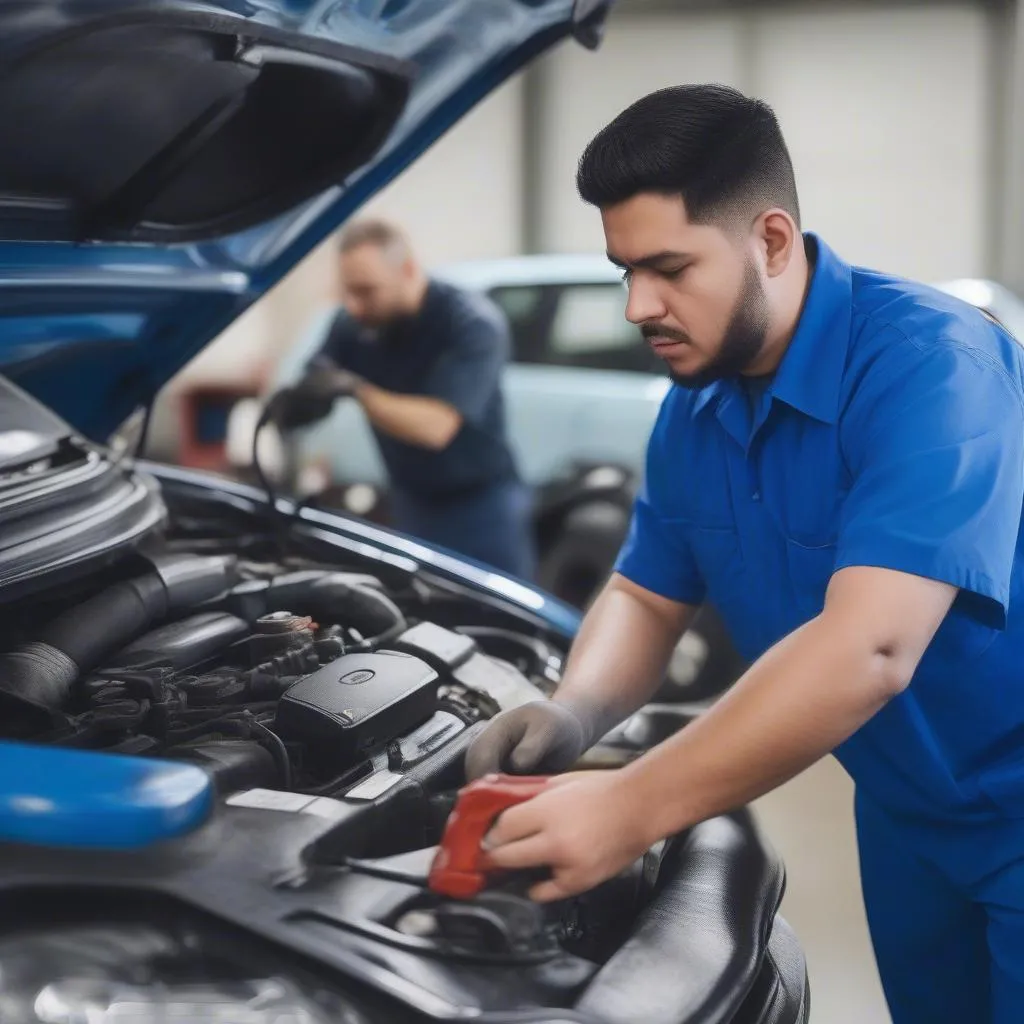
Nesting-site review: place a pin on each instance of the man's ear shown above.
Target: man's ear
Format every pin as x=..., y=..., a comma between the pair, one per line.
x=778, y=237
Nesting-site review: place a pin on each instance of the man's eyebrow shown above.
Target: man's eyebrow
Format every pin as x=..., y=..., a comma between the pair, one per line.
x=649, y=262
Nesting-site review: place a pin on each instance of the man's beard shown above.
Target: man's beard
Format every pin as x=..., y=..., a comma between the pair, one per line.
x=744, y=336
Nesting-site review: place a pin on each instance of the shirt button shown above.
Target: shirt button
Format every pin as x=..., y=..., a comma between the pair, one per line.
x=756, y=496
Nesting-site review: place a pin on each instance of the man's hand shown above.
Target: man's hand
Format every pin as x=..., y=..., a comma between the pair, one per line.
x=313, y=396
x=537, y=738
x=323, y=380
x=586, y=827
x=617, y=661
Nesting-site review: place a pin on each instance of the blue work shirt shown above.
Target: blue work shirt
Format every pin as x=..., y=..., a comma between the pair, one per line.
x=454, y=348
x=892, y=436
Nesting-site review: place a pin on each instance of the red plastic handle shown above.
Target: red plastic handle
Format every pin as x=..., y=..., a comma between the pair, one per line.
x=457, y=870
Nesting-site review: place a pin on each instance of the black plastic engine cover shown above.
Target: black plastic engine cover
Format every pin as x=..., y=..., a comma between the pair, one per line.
x=356, y=704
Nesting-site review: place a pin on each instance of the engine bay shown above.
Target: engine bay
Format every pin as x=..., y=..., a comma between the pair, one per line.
x=332, y=708
x=330, y=692
x=282, y=675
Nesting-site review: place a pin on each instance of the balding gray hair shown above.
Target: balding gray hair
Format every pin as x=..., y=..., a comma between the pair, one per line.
x=381, y=233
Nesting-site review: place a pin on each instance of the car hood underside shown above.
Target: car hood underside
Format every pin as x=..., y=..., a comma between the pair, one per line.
x=165, y=163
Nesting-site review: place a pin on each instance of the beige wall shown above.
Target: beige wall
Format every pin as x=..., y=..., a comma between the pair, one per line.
x=884, y=112
x=890, y=144
x=586, y=90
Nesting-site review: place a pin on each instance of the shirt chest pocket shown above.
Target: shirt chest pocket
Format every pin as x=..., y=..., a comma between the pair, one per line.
x=739, y=589
x=807, y=503
x=716, y=551
x=810, y=569
x=807, y=483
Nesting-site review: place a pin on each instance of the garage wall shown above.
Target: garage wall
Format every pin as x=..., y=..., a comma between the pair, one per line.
x=888, y=132
x=463, y=199
x=885, y=112
x=1010, y=215
x=585, y=90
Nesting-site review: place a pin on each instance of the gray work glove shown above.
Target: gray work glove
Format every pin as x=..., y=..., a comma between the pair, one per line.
x=542, y=737
x=312, y=398
x=327, y=381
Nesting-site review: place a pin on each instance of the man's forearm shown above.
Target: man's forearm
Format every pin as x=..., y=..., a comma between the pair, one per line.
x=415, y=419
x=797, y=703
x=621, y=654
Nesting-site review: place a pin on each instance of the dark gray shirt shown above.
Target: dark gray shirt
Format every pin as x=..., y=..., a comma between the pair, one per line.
x=455, y=348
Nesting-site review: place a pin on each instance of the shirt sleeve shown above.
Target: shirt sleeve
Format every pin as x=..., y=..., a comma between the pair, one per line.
x=468, y=372
x=656, y=553
x=933, y=441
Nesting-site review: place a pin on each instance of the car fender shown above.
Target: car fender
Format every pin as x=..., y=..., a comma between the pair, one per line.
x=560, y=417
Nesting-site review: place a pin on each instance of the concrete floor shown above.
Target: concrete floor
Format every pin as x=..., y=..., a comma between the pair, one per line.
x=810, y=822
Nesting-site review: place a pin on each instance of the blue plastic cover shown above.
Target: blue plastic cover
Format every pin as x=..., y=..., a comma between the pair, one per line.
x=54, y=797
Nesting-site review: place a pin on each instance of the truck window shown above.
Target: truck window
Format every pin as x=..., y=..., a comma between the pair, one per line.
x=590, y=330
x=528, y=311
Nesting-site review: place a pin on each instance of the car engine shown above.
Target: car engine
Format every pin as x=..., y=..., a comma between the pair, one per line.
x=283, y=675
x=329, y=687
x=332, y=706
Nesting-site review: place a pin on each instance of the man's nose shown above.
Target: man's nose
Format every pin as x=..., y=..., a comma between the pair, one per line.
x=644, y=303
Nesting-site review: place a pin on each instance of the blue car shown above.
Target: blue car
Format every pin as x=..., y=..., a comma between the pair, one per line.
x=233, y=728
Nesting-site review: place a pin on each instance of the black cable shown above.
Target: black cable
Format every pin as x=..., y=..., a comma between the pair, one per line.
x=375, y=870
x=244, y=725
x=143, y=438
x=280, y=522
x=357, y=773
x=289, y=408
x=231, y=724
x=278, y=751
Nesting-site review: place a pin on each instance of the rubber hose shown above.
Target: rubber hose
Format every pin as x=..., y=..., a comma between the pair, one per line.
x=330, y=597
x=37, y=675
x=102, y=623
x=41, y=673
x=190, y=580
x=374, y=614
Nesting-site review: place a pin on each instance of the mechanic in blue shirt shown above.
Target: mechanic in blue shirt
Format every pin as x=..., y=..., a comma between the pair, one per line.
x=840, y=470
x=425, y=360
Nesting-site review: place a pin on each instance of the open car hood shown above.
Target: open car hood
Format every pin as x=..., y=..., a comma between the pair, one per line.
x=166, y=162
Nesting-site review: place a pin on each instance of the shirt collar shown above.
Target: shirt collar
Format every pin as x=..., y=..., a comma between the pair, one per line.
x=810, y=376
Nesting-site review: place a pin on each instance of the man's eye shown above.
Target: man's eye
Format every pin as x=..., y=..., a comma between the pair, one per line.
x=675, y=272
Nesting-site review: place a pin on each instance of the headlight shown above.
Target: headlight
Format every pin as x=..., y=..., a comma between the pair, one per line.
x=138, y=974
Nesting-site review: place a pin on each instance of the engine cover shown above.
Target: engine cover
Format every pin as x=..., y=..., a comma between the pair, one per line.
x=357, y=703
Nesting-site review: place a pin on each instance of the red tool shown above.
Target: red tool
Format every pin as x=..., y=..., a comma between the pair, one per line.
x=458, y=869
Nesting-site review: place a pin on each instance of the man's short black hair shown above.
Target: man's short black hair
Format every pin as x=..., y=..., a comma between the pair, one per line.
x=723, y=152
